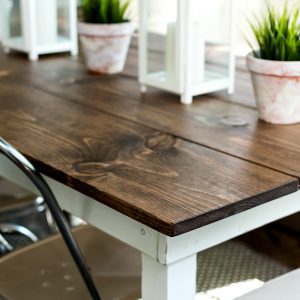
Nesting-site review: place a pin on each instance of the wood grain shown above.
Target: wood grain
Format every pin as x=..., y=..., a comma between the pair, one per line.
x=272, y=146
x=163, y=181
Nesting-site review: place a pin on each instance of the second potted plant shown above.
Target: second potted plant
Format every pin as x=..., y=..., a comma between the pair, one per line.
x=275, y=66
x=105, y=34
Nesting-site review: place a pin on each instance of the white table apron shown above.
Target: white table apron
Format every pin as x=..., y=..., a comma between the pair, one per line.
x=168, y=263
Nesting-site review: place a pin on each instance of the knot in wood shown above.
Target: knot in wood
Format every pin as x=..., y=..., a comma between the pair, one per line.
x=160, y=140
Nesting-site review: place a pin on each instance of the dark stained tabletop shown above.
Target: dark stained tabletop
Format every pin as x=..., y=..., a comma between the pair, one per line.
x=172, y=167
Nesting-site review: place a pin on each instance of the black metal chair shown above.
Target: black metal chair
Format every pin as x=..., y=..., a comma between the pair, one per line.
x=50, y=269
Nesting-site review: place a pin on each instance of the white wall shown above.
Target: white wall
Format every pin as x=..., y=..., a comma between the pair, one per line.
x=214, y=13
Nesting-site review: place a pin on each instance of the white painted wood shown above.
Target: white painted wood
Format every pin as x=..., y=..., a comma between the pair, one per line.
x=212, y=82
x=186, y=22
x=210, y=86
x=29, y=43
x=33, y=56
x=143, y=88
x=30, y=28
x=226, y=229
x=157, y=79
x=23, y=42
x=184, y=85
x=63, y=45
x=17, y=44
x=186, y=98
x=45, y=14
x=283, y=287
x=143, y=44
x=232, y=34
x=73, y=27
x=180, y=48
x=176, y=281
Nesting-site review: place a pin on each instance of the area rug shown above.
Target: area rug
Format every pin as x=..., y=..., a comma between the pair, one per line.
x=233, y=269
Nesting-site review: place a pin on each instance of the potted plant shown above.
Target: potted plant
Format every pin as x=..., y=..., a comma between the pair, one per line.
x=275, y=65
x=105, y=35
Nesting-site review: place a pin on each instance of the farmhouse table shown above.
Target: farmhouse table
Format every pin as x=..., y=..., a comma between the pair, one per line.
x=169, y=180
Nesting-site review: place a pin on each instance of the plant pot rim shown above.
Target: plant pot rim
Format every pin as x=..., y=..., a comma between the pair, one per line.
x=273, y=67
x=251, y=56
x=106, y=30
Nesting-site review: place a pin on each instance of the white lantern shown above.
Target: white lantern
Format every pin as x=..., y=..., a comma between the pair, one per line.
x=1, y=9
x=39, y=26
x=178, y=64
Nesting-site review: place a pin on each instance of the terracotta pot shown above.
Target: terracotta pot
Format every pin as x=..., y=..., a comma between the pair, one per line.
x=105, y=46
x=277, y=89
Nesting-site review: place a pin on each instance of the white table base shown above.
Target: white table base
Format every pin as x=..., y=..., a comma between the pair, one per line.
x=169, y=263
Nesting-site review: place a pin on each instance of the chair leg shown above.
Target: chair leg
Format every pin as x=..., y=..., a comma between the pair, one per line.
x=12, y=228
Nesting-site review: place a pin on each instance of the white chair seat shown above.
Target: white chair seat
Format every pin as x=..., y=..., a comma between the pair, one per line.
x=286, y=286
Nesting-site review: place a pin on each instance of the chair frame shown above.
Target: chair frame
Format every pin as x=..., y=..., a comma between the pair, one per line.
x=36, y=178
x=5, y=246
x=14, y=228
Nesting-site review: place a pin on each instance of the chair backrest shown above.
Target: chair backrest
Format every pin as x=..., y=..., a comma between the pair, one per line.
x=36, y=178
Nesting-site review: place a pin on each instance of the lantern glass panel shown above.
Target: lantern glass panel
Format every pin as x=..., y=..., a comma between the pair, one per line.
x=161, y=41
x=12, y=20
x=63, y=19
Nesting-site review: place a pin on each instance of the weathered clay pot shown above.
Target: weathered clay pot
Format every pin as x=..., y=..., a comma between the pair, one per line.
x=105, y=46
x=277, y=89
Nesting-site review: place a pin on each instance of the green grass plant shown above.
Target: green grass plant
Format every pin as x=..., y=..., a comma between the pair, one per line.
x=105, y=11
x=277, y=34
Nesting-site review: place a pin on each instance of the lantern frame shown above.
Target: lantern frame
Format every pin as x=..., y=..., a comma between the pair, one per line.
x=183, y=85
x=29, y=31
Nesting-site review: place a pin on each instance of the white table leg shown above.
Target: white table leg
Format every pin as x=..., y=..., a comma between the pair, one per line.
x=176, y=281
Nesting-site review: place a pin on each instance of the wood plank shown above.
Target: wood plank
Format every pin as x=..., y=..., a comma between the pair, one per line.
x=165, y=182
x=65, y=70
x=273, y=146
